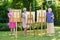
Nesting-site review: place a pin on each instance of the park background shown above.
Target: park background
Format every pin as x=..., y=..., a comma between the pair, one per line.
x=20, y=4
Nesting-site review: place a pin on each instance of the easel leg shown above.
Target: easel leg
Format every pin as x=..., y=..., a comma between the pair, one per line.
x=41, y=28
x=30, y=30
x=16, y=29
x=45, y=27
x=21, y=26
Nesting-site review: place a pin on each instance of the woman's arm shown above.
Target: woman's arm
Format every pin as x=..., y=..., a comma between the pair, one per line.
x=9, y=15
x=23, y=16
x=52, y=16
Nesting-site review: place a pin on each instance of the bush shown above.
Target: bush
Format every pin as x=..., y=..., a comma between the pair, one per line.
x=3, y=14
x=4, y=27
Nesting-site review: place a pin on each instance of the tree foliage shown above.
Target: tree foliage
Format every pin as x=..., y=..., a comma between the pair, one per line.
x=20, y=4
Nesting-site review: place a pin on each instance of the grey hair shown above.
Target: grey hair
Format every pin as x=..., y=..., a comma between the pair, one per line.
x=24, y=9
x=50, y=9
x=9, y=9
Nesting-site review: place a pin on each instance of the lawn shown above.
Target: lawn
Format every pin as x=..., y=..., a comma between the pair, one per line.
x=4, y=35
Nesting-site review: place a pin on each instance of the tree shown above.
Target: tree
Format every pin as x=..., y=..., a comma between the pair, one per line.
x=3, y=12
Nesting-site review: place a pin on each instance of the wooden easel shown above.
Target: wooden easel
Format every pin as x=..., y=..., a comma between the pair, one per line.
x=16, y=18
x=40, y=17
x=30, y=19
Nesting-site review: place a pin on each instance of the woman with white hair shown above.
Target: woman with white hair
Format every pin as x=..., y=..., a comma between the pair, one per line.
x=24, y=21
x=50, y=22
x=12, y=25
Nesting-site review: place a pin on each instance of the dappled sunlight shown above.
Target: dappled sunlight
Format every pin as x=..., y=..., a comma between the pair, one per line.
x=57, y=27
x=39, y=2
x=41, y=34
x=1, y=3
x=59, y=32
x=54, y=39
x=22, y=37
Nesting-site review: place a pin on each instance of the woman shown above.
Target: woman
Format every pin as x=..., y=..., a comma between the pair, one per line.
x=12, y=25
x=24, y=21
x=50, y=22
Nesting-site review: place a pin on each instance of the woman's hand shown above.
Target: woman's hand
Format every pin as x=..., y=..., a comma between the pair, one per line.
x=52, y=17
x=9, y=16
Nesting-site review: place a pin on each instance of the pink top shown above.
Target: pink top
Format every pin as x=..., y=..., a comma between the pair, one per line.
x=11, y=24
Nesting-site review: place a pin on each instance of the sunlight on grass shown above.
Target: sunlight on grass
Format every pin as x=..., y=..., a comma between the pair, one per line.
x=59, y=32
x=57, y=27
x=5, y=35
x=41, y=34
x=54, y=39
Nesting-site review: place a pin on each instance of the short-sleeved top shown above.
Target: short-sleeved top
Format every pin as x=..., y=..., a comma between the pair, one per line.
x=9, y=15
x=24, y=20
x=49, y=18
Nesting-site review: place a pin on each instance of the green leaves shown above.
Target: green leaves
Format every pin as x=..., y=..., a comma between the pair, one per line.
x=1, y=3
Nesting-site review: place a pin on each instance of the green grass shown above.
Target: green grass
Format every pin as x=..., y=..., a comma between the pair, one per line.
x=5, y=36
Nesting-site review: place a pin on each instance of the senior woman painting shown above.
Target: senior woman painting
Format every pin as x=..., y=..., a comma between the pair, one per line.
x=50, y=22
